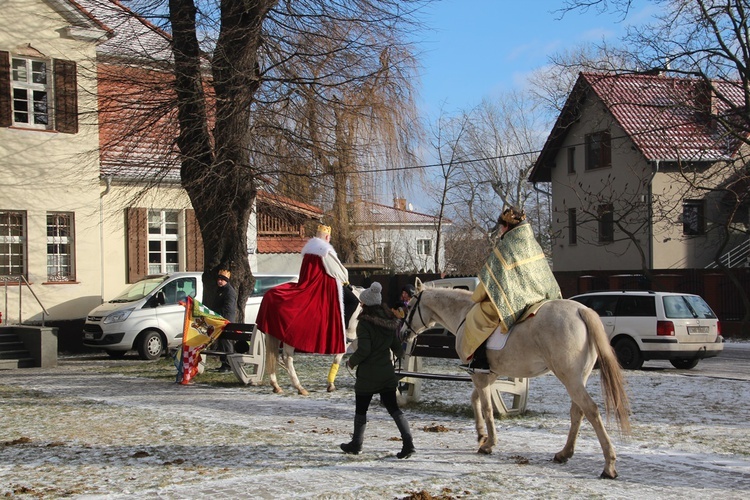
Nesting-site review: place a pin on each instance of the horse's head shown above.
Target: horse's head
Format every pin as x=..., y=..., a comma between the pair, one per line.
x=416, y=319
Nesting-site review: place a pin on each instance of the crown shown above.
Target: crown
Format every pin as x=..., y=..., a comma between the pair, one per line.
x=322, y=229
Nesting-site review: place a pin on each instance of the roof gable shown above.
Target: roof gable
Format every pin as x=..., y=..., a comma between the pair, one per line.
x=369, y=213
x=666, y=118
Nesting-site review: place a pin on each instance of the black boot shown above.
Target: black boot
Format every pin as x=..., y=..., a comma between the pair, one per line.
x=407, y=447
x=355, y=445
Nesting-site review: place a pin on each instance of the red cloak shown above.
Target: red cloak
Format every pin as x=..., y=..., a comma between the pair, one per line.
x=309, y=314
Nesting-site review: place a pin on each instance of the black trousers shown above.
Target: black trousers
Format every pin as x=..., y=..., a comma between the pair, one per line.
x=387, y=397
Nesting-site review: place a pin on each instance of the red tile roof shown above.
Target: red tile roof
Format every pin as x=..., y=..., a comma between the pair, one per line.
x=280, y=245
x=665, y=117
x=366, y=213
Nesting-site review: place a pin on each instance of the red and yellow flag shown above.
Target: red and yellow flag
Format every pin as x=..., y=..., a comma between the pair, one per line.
x=201, y=328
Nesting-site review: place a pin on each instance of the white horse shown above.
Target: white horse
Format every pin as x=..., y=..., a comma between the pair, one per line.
x=273, y=346
x=564, y=337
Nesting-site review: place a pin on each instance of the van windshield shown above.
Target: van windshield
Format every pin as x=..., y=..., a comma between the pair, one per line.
x=139, y=289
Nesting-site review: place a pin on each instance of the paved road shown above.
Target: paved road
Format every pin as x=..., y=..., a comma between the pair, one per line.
x=733, y=363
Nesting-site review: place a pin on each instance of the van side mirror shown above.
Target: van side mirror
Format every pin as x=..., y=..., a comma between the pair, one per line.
x=158, y=300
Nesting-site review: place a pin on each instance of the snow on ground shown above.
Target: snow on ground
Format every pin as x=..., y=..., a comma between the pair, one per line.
x=95, y=427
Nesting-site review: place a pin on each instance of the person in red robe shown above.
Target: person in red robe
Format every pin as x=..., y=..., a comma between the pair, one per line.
x=309, y=314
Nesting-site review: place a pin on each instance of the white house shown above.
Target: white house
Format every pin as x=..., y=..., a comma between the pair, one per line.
x=398, y=238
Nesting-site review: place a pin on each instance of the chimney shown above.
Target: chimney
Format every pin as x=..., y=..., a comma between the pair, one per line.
x=705, y=102
x=399, y=203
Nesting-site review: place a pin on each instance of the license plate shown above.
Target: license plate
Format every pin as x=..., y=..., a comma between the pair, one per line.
x=697, y=329
x=88, y=336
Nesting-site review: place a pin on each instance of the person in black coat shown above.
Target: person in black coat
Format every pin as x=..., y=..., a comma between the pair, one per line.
x=376, y=340
x=225, y=304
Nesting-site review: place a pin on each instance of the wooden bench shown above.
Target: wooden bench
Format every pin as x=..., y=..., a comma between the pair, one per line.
x=248, y=362
x=440, y=343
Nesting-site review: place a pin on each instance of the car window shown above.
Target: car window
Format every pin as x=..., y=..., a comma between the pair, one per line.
x=178, y=290
x=685, y=306
x=635, y=305
x=264, y=283
x=700, y=307
x=604, y=305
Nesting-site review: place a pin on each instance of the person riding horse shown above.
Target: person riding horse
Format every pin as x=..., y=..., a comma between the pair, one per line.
x=515, y=277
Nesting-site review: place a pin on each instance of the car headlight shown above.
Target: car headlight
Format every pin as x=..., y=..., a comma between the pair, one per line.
x=118, y=316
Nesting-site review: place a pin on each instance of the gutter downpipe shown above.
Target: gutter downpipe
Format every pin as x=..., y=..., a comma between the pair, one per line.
x=108, y=183
x=654, y=171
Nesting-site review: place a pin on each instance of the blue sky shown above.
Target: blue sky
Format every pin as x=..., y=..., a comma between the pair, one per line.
x=477, y=48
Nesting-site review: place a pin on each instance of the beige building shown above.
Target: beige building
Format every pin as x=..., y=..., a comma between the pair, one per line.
x=91, y=199
x=49, y=201
x=639, y=171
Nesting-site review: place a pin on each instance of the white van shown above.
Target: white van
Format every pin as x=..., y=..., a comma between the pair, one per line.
x=148, y=317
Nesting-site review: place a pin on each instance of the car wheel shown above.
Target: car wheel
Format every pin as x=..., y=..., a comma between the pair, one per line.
x=116, y=354
x=684, y=364
x=150, y=345
x=628, y=354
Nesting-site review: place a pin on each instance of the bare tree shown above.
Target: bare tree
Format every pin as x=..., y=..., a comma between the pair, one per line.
x=293, y=94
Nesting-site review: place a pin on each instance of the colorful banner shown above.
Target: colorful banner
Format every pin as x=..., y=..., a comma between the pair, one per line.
x=201, y=329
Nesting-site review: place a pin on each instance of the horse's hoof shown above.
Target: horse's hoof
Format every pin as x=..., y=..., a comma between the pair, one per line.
x=278, y=390
x=484, y=451
x=560, y=459
x=331, y=388
x=304, y=392
x=606, y=475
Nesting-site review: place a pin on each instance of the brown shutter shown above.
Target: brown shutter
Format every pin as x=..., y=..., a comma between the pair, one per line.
x=137, y=243
x=66, y=97
x=5, y=103
x=193, y=242
x=606, y=149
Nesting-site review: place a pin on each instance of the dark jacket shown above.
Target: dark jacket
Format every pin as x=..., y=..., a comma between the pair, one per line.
x=226, y=302
x=376, y=338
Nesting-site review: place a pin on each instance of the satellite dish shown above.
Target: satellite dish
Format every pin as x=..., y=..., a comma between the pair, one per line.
x=411, y=207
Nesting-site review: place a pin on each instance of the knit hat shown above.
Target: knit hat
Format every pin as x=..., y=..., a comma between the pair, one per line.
x=223, y=273
x=371, y=296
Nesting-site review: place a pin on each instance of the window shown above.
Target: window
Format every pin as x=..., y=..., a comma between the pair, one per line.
x=30, y=93
x=163, y=241
x=383, y=252
x=424, y=247
x=693, y=222
x=572, y=230
x=598, y=150
x=38, y=93
x=571, y=160
x=12, y=243
x=606, y=223
x=60, y=247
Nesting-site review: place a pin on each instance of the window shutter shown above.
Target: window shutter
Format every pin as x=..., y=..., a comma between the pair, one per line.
x=66, y=97
x=137, y=243
x=193, y=242
x=606, y=149
x=5, y=104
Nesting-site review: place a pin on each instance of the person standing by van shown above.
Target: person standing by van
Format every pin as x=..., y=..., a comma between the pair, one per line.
x=225, y=304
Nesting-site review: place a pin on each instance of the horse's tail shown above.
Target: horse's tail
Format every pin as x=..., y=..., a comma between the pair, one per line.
x=272, y=353
x=613, y=384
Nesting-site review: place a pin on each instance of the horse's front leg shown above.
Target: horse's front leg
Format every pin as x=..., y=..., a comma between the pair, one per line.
x=334, y=371
x=479, y=425
x=482, y=384
x=289, y=363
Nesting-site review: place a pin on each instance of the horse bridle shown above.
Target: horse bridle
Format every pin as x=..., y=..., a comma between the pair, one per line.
x=410, y=316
